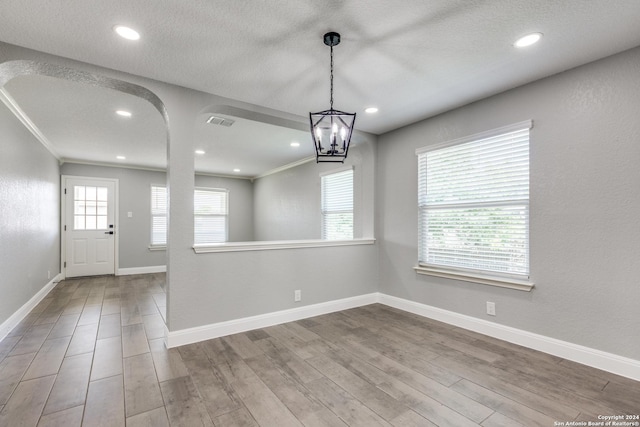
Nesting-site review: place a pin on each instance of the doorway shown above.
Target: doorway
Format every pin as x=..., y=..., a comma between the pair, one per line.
x=89, y=226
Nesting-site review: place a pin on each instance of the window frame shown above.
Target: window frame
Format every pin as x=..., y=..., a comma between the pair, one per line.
x=506, y=279
x=152, y=244
x=224, y=215
x=324, y=212
x=162, y=246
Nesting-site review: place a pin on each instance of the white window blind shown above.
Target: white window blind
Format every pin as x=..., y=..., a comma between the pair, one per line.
x=210, y=209
x=158, y=216
x=473, y=200
x=337, y=205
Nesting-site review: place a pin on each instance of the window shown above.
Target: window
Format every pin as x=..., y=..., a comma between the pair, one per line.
x=337, y=205
x=473, y=201
x=210, y=208
x=158, y=216
x=89, y=208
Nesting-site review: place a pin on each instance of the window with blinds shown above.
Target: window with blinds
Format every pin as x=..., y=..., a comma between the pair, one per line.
x=210, y=209
x=337, y=205
x=211, y=212
x=158, y=216
x=473, y=200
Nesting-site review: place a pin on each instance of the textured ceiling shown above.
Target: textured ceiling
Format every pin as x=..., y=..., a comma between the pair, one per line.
x=411, y=59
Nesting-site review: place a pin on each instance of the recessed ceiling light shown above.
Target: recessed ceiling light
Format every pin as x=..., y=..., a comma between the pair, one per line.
x=121, y=157
x=528, y=40
x=126, y=32
x=236, y=170
x=371, y=110
x=199, y=151
x=123, y=113
x=295, y=144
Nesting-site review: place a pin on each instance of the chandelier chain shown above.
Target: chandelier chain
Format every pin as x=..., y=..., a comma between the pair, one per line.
x=331, y=78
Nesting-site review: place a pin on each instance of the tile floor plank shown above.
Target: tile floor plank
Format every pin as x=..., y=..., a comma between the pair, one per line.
x=25, y=405
x=141, y=389
x=237, y=418
x=65, y=326
x=183, y=403
x=154, y=418
x=505, y=406
x=90, y=314
x=71, y=417
x=153, y=326
x=297, y=398
x=70, y=387
x=345, y=406
x=105, y=403
x=107, y=359
x=134, y=340
x=11, y=371
x=109, y=326
x=218, y=396
x=167, y=362
x=48, y=359
x=83, y=340
x=32, y=339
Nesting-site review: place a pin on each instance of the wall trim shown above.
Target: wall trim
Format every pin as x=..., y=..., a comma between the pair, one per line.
x=216, y=330
x=11, y=103
x=7, y=326
x=598, y=359
x=285, y=167
x=277, y=244
x=141, y=270
x=609, y=362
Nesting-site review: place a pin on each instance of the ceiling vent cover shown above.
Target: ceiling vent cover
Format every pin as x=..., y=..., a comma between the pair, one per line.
x=214, y=120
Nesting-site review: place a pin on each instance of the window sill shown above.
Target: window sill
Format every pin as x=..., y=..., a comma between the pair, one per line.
x=503, y=282
x=281, y=244
x=157, y=247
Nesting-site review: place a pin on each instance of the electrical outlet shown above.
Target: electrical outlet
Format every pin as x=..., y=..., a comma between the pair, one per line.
x=48, y=274
x=491, y=308
x=297, y=295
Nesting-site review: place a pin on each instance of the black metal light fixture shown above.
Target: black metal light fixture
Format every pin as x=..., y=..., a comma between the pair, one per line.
x=331, y=129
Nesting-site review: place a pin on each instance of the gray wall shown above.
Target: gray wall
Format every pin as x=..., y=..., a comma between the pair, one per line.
x=29, y=215
x=287, y=204
x=240, y=204
x=135, y=197
x=585, y=200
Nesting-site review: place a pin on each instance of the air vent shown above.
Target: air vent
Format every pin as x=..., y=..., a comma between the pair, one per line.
x=214, y=120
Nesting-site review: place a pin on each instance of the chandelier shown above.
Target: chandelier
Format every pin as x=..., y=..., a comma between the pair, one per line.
x=331, y=129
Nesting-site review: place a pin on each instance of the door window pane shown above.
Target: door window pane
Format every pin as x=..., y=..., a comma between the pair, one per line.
x=90, y=208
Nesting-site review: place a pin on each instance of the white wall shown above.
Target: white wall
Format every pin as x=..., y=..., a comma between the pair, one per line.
x=29, y=215
x=585, y=203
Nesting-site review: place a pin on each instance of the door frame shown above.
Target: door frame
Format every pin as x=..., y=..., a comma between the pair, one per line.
x=63, y=218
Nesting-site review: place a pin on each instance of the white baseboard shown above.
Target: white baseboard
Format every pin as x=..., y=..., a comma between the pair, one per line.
x=216, y=330
x=7, y=326
x=142, y=270
x=609, y=362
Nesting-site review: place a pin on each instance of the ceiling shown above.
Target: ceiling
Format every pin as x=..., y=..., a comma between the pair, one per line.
x=411, y=59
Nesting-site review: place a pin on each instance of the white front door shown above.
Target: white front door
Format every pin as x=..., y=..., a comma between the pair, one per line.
x=89, y=226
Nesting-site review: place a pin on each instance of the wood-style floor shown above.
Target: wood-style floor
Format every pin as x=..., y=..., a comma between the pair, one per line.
x=92, y=354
